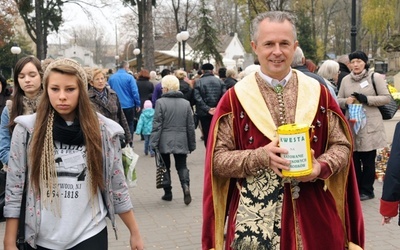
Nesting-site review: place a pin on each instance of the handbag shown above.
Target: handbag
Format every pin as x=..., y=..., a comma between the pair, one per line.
x=387, y=110
x=195, y=120
x=163, y=179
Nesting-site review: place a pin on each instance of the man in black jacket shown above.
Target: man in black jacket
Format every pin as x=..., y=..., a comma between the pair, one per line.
x=344, y=69
x=207, y=93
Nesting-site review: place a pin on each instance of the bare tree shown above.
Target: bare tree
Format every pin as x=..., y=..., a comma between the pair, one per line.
x=92, y=38
x=328, y=9
x=42, y=17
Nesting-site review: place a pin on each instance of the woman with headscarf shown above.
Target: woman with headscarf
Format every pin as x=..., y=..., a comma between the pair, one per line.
x=106, y=101
x=357, y=88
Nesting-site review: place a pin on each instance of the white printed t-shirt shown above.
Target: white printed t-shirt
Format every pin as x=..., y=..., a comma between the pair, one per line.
x=79, y=220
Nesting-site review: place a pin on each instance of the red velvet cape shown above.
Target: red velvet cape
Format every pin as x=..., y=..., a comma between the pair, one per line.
x=314, y=205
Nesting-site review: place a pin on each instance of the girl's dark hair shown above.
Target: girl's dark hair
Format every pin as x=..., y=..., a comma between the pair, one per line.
x=18, y=94
x=4, y=90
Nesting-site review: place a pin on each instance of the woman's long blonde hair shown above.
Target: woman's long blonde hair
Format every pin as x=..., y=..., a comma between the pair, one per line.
x=41, y=157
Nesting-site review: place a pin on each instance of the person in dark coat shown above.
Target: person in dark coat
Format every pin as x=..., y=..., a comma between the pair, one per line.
x=146, y=89
x=299, y=63
x=173, y=133
x=157, y=89
x=222, y=73
x=344, y=68
x=389, y=205
x=185, y=87
x=207, y=93
x=5, y=93
x=230, y=79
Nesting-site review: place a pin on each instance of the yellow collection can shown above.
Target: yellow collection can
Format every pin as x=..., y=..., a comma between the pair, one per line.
x=296, y=139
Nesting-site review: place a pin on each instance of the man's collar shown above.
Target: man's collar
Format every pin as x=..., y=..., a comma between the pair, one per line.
x=268, y=79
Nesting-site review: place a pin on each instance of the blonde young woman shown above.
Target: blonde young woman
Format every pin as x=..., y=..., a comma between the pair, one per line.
x=75, y=172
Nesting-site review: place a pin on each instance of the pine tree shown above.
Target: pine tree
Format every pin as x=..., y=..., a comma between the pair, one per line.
x=305, y=38
x=206, y=40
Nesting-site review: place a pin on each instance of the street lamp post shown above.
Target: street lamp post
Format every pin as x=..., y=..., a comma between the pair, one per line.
x=136, y=52
x=116, y=62
x=16, y=50
x=353, y=30
x=127, y=50
x=179, y=39
x=184, y=36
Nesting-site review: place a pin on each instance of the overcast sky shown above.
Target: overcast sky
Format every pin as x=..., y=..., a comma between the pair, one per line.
x=75, y=17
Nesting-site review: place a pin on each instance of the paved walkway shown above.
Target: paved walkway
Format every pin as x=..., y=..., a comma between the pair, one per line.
x=173, y=225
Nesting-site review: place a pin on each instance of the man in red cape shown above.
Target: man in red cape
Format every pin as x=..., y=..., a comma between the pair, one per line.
x=247, y=203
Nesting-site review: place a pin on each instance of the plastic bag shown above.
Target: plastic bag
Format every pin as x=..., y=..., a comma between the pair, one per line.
x=357, y=117
x=129, y=160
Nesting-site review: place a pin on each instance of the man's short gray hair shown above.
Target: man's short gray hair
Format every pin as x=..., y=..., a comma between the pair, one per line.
x=273, y=16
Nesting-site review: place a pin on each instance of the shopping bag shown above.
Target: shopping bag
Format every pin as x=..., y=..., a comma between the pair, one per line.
x=129, y=160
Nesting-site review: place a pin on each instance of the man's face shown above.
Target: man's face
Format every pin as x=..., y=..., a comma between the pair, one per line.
x=275, y=47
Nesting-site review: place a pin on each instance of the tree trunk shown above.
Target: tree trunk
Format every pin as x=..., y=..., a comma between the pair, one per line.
x=314, y=33
x=39, y=31
x=149, y=63
x=140, y=7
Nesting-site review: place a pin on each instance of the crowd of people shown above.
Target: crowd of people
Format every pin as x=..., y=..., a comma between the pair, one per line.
x=64, y=126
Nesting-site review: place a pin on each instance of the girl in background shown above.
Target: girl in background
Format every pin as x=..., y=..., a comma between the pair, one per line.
x=145, y=125
x=27, y=90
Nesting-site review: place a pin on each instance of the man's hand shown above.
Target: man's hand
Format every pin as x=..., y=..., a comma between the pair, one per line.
x=137, y=109
x=211, y=111
x=315, y=171
x=276, y=162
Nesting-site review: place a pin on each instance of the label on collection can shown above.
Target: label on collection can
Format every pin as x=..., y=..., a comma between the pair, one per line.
x=296, y=139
